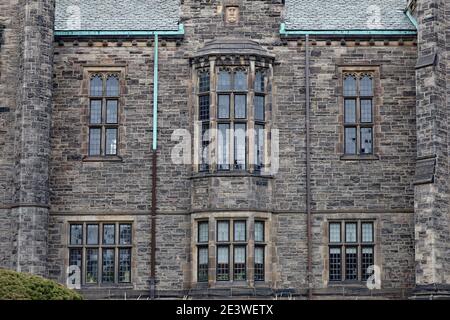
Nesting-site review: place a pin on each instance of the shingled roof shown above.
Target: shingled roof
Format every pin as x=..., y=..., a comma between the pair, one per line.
x=114, y=15
x=346, y=15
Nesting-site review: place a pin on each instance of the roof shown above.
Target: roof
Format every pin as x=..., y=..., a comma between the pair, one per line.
x=343, y=15
x=115, y=15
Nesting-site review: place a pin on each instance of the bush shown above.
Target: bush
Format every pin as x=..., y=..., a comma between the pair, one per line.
x=24, y=286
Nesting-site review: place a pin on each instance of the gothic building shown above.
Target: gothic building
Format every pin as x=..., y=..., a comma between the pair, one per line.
x=227, y=148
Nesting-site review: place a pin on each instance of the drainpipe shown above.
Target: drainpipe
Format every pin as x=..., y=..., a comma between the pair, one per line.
x=308, y=166
x=154, y=172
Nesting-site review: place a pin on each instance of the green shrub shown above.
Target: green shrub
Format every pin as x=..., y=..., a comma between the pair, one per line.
x=24, y=286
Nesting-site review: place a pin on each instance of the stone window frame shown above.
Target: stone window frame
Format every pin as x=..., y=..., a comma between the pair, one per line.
x=250, y=244
x=359, y=70
x=100, y=246
x=359, y=244
x=104, y=71
x=214, y=64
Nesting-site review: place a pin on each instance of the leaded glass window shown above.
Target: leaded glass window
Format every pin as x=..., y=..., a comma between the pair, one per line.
x=223, y=263
x=239, y=268
x=92, y=234
x=125, y=234
x=259, y=231
x=109, y=233
x=125, y=265
x=259, y=263
x=76, y=234
x=239, y=231
x=203, y=231
x=223, y=231
x=202, y=267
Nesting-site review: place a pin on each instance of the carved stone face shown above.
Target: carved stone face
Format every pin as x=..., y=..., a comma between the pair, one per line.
x=232, y=14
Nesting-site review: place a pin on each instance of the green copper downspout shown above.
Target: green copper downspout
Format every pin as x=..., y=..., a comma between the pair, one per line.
x=155, y=95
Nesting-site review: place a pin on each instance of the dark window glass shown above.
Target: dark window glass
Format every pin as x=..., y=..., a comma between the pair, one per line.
x=240, y=106
x=203, y=102
x=223, y=146
x=96, y=86
x=76, y=234
x=350, y=86
x=240, y=146
x=108, y=266
x=109, y=234
x=223, y=231
x=223, y=263
x=203, y=231
x=259, y=263
x=367, y=231
x=366, y=86
x=204, y=157
x=259, y=231
x=259, y=82
x=350, y=140
x=91, y=265
x=111, y=111
x=202, y=267
x=350, y=111
x=335, y=264
x=125, y=265
x=239, y=231
x=366, y=111
x=224, y=83
x=96, y=111
x=351, y=263
x=224, y=106
x=366, y=140
x=350, y=232
x=94, y=141
x=111, y=141
x=203, y=82
x=335, y=232
x=259, y=146
x=112, y=86
x=92, y=233
x=239, y=268
x=125, y=234
x=259, y=108
x=75, y=257
x=240, y=81
x=366, y=261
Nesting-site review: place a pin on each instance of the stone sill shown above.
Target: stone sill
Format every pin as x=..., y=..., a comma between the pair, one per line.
x=370, y=157
x=102, y=159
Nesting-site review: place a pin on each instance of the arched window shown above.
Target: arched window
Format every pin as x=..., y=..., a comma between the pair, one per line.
x=112, y=86
x=96, y=86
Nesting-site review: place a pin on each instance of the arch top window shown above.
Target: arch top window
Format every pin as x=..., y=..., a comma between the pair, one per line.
x=96, y=85
x=112, y=86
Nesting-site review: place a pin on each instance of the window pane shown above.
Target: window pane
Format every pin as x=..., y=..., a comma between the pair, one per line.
x=96, y=86
x=91, y=265
x=224, y=106
x=240, y=81
x=125, y=233
x=109, y=234
x=75, y=257
x=224, y=83
x=366, y=261
x=125, y=265
x=366, y=86
x=259, y=147
x=351, y=264
x=111, y=111
x=111, y=141
x=239, y=231
x=239, y=264
x=350, y=232
x=94, y=141
x=335, y=264
x=108, y=265
x=204, y=157
x=203, y=102
x=366, y=111
x=350, y=86
x=259, y=263
x=203, y=81
x=335, y=232
x=223, y=268
x=203, y=231
x=92, y=233
x=96, y=111
x=259, y=108
x=350, y=110
x=240, y=106
x=367, y=231
x=223, y=231
x=259, y=82
x=240, y=146
x=76, y=234
x=259, y=231
x=202, y=264
x=112, y=86
x=223, y=147
x=366, y=140
x=350, y=140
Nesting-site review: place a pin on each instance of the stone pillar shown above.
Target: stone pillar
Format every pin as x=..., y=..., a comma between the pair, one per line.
x=32, y=136
x=432, y=172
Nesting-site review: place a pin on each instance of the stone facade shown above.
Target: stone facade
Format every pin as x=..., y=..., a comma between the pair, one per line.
x=48, y=181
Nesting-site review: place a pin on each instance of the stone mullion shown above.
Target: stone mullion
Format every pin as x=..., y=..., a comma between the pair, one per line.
x=251, y=116
x=251, y=252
